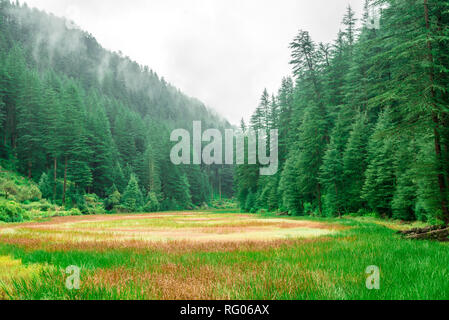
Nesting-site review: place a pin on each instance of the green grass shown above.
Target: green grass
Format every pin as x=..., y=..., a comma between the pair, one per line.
x=328, y=267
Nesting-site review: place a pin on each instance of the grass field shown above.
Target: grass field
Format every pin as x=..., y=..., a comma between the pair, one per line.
x=217, y=255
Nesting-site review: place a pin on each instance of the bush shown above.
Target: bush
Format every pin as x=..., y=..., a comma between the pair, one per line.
x=19, y=189
x=121, y=209
x=31, y=193
x=11, y=211
x=8, y=188
x=74, y=212
x=42, y=205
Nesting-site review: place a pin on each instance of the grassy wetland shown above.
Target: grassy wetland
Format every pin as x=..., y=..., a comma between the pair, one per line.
x=217, y=255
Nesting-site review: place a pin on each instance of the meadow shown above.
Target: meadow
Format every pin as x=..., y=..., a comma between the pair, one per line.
x=217, y=255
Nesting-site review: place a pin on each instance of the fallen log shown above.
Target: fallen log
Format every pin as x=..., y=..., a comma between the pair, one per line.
x=436, y=233
x=422, y=230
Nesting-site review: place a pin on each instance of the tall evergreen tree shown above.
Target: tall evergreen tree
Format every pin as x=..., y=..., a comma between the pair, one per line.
x=355, y=162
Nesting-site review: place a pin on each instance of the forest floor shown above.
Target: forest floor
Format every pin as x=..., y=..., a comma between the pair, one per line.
x=218, y=255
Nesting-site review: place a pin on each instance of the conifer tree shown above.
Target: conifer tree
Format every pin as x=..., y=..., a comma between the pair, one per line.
x=380, y=181
x=355, y=162
x=332, y=171
x=312, y=146
x=132, y=198
x=288, y=186
x=29, y=110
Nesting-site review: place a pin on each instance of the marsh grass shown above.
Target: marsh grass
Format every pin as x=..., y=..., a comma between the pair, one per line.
x=327, y=267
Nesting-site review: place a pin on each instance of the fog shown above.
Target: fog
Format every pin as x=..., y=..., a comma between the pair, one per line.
x=223, y=52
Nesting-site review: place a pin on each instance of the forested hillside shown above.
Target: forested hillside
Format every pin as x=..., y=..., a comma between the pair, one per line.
x=364, y=124
x=78, y=119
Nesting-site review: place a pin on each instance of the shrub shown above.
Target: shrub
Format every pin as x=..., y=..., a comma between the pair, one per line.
x=11, y=211
x=31, y=193
x=121, y=209
x=74, y=212
x=8, y=188
x=42, y=205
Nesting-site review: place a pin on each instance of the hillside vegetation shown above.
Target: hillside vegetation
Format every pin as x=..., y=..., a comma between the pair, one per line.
x=79, y=120
x=364, y=124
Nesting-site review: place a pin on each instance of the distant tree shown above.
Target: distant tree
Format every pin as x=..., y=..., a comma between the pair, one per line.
x=152, y=203
x=132, y=198
x=29, y=112
x=380, y=180
x=355, y=161
x=46, y=186
x=350, y=21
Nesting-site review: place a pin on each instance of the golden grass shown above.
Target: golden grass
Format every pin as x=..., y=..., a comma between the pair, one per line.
x=13, y=270
x=160, y=231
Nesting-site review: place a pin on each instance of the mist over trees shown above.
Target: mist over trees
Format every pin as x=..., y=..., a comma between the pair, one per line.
x=364, y=123
x=78, y=119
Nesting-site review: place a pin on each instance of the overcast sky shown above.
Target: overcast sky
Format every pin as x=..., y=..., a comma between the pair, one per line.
x=223, y=52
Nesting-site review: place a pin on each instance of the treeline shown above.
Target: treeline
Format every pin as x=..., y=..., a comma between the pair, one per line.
x=364, y=126
x=79, y=120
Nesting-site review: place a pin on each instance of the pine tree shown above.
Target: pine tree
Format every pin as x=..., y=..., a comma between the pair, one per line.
x=332, y=171
x=350, y=21
x=15, y=67
x=2, y=103
x=355, y=161
x=29, y=113
x=380, y=182
x=74, y=140
x=405, y=195
x=51, y=131
x=113, y=199
x=286, y=130
x=152, y=203
x=100, y=143
x=312, y=146
x=45, y=186
x=260, y=118
x=132, y=198
x=288, y=186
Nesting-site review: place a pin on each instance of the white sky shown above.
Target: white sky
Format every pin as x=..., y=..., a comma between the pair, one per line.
x=223, y=52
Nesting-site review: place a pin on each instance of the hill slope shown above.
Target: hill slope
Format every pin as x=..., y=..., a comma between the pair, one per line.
x=94, y=119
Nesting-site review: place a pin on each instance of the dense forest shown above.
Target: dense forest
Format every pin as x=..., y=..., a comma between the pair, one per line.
x=79, y=120
x=364, y=124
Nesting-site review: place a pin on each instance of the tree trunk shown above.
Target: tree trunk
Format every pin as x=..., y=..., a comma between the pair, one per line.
x=320, y=205
x=29, y=169
x=55, y=177
x=336, y=194
x=65, y=181
x=437, y=122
